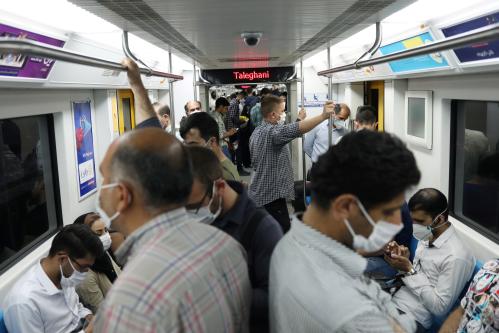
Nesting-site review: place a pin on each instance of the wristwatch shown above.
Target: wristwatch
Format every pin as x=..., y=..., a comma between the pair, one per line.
x=411, y=272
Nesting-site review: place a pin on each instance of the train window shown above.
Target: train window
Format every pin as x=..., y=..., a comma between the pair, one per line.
x=475, y=187
x=29, y=199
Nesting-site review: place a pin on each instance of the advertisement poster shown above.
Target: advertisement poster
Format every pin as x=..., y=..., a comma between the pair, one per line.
x=480, y=51
x=84, y=144
x=17, y=65
x=427, y=61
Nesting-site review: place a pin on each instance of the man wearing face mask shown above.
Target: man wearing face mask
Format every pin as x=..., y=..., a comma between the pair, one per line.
x=202, y=130
x=178, y=272
x=272, y=182
x=45, y=300
x=316, y=276
x=226, y=205
x=442, y=264
x=317, y=140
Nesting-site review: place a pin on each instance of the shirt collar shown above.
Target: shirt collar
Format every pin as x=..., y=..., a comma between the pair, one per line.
x=444, y=237
x=350, y=261
x=237, y=213
x=45, y=281
x=148, y=231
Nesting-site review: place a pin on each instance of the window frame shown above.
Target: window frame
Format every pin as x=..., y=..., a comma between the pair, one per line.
x=19, y=255
x=452, y=175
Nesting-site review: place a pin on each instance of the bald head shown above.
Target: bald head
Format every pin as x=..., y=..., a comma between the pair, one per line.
x=192, y=106
x=155, y=164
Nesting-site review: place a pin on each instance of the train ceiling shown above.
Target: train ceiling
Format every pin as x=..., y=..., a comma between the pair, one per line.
x=209, y=31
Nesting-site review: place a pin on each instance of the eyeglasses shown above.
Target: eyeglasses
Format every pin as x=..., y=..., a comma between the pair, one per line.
x=81, y=268
x=197, y=206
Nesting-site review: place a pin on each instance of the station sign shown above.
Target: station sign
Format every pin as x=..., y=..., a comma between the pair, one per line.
x=248, y=75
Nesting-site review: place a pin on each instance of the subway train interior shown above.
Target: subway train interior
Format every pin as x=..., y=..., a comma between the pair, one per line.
x=429, y=70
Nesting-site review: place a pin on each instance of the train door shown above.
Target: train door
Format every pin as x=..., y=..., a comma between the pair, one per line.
x=374, y=95
x=126, y=110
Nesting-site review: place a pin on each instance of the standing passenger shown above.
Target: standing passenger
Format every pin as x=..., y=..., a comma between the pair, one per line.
x=272, y=183
x=226, y=205
x=317, y=141
x=316, y=277
x=179, y=275
x=163, y=113
x=221, y=107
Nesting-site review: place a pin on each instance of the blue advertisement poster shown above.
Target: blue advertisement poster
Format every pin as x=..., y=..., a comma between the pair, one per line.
x=427, y=61
x=480, y=51
x=84, y=143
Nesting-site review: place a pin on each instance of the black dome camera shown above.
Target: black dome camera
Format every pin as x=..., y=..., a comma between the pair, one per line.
x=251, y=38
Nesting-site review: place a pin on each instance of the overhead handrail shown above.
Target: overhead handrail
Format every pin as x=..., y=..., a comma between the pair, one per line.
x=481, y=35
x=377, y=43
x=129, y=54
x=16, y=46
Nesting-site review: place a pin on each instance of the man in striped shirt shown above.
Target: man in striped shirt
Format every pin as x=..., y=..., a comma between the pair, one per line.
x=179, y=275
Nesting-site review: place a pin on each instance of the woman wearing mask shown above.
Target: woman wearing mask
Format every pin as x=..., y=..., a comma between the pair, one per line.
x=105, y=270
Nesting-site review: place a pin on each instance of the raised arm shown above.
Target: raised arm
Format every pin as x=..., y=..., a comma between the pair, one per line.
x=308, y=124
x=144, y=109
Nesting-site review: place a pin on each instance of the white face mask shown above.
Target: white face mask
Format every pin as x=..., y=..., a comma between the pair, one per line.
x=106, y=240
x=204, y=214
x=72, y=281
x=383, y=232
x=103, y=215
x=424, y=232
x=282, y=118
x=339, y=124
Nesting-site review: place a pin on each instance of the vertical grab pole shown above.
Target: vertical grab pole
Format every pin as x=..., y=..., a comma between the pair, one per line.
x=170, y=87
x=330, y=97
x=304, y=169
x=194, y=82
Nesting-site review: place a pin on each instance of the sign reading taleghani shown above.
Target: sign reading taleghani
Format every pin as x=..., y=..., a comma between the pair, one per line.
x=422, y=62
x=84, y=146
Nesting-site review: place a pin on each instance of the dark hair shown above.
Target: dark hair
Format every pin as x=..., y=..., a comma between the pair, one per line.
x=207, y=126
x=373, y=166
x=206, y=167
x=161, y=169
x=265, y=91
x=91, y=215
x=488, y=167
x=269, y=105
x=78, y=241
x=161, y=109
x=221, y=101
x=431, y=201
x=366, y=115
x=233, y=95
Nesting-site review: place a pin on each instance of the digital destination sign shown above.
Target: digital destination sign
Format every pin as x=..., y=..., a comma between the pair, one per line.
x=248, y=75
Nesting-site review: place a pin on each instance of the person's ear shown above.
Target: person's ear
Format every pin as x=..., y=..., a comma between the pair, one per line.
x=343, y=206
x=124, y=197
x=220, y=186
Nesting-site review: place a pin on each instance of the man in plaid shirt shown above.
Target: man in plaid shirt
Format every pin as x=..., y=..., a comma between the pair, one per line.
x=179, y=275
x=272, y=181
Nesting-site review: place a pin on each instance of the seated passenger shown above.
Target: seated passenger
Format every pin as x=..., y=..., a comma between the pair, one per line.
x=377, y=266
x=316, y=277
x=44, y=299
x=202, y=130
x=226, y=205
x=180, y=275
x=103, y=272
x=479, y=310
x=442, y=263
